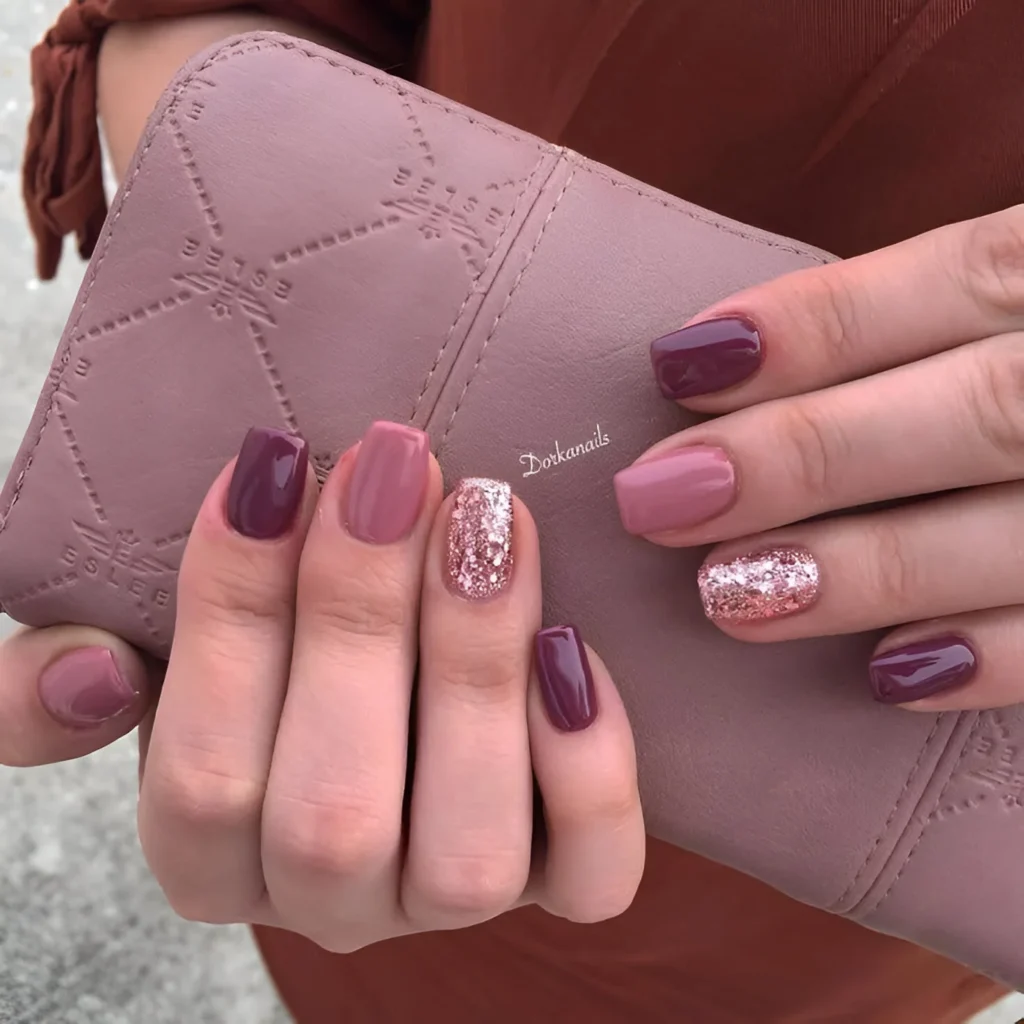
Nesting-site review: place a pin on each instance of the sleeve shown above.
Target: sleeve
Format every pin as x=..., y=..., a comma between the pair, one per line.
x=62, y=175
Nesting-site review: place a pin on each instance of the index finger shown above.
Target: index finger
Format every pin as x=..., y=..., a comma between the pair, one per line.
x=826, y=325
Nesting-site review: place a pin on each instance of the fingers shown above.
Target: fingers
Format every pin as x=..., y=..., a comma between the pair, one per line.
x=471, y=813
x=819, y=327
x=66, y=692
x=955, y=420
x=585, y=765
x=210, y=751
x=332, y=825
x=854, y=573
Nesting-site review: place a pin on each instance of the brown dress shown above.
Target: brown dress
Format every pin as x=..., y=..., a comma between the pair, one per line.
x=849, y=124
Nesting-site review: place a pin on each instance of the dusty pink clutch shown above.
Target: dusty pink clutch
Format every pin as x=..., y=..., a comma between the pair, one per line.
x=304, y=242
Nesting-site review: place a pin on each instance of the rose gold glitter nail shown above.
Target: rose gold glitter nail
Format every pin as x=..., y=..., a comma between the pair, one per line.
x=755, y=588
x=479, y=561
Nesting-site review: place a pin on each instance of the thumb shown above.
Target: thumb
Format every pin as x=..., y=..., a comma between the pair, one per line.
x=67, y=691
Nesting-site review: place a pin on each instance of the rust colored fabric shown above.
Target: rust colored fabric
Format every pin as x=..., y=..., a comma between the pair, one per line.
x=849, y=124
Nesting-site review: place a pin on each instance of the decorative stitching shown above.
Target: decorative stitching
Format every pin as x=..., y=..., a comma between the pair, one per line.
x=76, y=455
x=270, y=369
x=508, y=302
x=126, y=320
x=472, y=288
x=930, y=819
x=892, y=814
x=192, y=170
x=342, y=237
x=256, y=44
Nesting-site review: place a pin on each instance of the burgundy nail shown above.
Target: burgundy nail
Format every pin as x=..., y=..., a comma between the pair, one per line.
x=388, y=483
x=706, y=357
x=85, y=688
x=268, y=483
x=675, y=491
x=922, y=669
x=566, y=682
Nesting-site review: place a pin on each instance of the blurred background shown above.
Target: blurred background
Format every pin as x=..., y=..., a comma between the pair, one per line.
x=85, y=937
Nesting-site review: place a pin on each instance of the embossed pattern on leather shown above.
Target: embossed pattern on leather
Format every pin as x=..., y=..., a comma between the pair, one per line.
x=303, y=242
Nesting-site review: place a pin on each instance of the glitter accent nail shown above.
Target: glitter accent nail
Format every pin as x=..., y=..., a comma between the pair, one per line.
x=755, y=588
x=479, y=561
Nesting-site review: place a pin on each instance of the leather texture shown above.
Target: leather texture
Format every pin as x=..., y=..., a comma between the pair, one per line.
x=304, y=242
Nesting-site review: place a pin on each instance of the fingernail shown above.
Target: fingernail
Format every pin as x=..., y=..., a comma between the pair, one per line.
x=85, y=688
x=706, y=357
x=479, y=560
x=756, y=588
x=566, y=682
x=922, y=669
x=675, y=491
x=268, y=483
x=388, y=483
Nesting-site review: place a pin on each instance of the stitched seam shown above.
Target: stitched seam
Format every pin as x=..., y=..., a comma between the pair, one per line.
x=472, y=288
x=508, y=302
x=892, y=814
x=723, y=226
x=931, y=818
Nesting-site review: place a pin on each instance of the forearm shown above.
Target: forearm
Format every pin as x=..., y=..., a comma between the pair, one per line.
x=137, y=60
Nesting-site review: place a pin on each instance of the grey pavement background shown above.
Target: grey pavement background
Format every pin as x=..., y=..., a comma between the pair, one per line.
x=85, y=937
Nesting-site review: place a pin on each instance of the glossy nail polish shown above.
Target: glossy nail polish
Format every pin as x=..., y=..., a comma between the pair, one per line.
x=706, y=357
x=922, y=669
x=268, y=483
x=757, y=588
x=675, y=491
x=388, y=483
x=479, y=555
x=566, y=681
x=85, y=688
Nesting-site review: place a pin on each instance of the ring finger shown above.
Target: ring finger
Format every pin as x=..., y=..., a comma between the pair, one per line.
x=853, y=573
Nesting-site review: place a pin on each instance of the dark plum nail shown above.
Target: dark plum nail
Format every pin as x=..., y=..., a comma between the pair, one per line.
x=85, y=688
x=566, y=681
x=922, y=669
x=268, y=483
x=706, y=357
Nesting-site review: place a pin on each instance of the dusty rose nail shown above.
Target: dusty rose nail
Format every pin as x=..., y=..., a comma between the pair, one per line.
x=479, y=557
x=675, y=491
x=85, y=688
x=922, y=669
x=388, y=483
x=755, y=588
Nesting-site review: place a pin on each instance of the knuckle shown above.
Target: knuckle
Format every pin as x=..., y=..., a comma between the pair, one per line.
x=832, y=308
x=616, y=803
x=375, y=603
x=331, y=837
x=993, y=260
x=995, y=396
x=894, y=575
x=203, y=798
x=470, y=887
x=238, y=592
x=491, y=664
x=819, y=449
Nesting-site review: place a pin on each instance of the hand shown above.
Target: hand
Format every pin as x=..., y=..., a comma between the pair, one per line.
x=282, y=783
x=891, y=376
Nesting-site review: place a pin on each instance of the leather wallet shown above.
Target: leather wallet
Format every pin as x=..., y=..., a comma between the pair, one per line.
x=304, y=242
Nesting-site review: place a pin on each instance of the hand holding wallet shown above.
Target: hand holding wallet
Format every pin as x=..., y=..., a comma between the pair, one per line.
x=304, y=242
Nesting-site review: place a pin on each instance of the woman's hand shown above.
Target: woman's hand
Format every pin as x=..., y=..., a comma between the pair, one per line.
x=295, y=776
x=890, y=376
